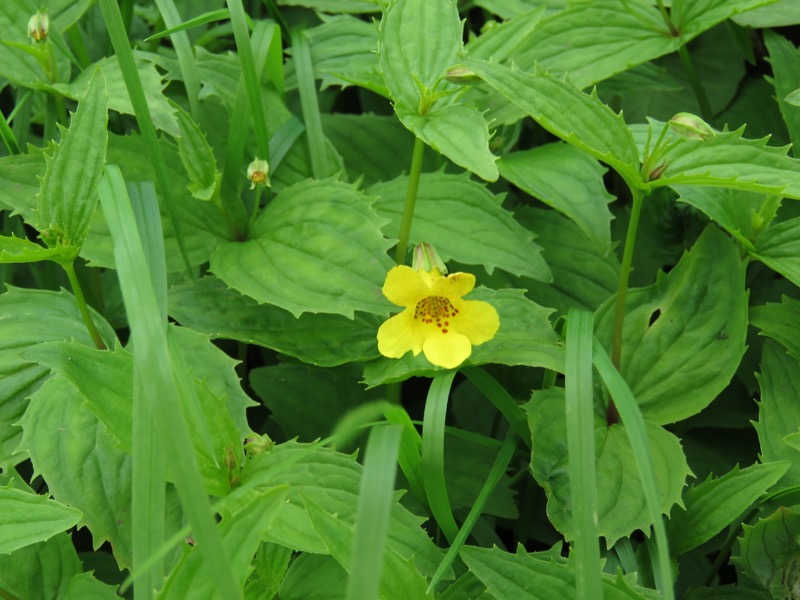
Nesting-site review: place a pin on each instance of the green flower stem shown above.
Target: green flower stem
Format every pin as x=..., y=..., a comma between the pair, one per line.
x=411, y=200
x=77, y=291
x=622, y=292
x=697, y=85
x=673, y=31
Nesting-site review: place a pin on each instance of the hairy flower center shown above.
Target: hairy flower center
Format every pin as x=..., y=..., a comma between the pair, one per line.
x=435, y=309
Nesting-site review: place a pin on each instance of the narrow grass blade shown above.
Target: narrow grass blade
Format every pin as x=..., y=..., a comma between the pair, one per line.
x=498, y=469
x=148, y=222
x=153, y=370
x=580, y=441
x=433, y=473
x=210, y=17
x=8, y=137
x=306, y=85
x=410, y=457
x=502, y=400
x=375, y=499
x=634, y=425
x=119, y=39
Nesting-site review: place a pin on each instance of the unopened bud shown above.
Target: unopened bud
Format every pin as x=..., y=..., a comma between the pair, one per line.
x=38, y=25
x=691, y=127
x=657, y=172
x=258, y=444
x=461, y=75
x=427, y=259
x=258, y=173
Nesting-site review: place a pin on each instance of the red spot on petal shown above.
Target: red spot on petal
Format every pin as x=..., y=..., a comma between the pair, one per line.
x=444, y=330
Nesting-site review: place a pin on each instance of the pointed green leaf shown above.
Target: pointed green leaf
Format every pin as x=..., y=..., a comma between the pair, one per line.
x=85, y=585
x=781, y=322
x=714, y=504
x=777, y=14
x=785, y=61
x=568, y=180
x=779, y=248
x=42, y=571
x=735, y=210
x=459, y=132
x=692, y=17
x=501, y=40
x=779, y=409
x=621, y=504
x=29, y=518
x=68, y=195
x=197, y=157
x=316, y=248
x=464, y=221
x=22, y=250
x=684, y=335
x=578, y=118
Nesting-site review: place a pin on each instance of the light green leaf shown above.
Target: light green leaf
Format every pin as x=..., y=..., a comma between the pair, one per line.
x=575, y=117
x=501, y=40
x=22, y=250
x=567, y=179
x=714, y=504
x=777, y=14
x=781, y=322
x=735, y=210
x=583, y=278
x=621, y=504
x=539, y=576
x=731, y=161
x=779, y=248
x=310, y=573
x=30, y=317
x=29, y=518
x=459, y=132
x=84, y=585
x=81, y=463
x=779, y=409
x=325, y=340
x=42, y=571
x=525, y=337
x=242, y=533
x=684, y=335
x=785, y=61
x=335, y=6
x=418, y=41
x=693, y=17
x=464, y=221
x=68, y=195
x=316, y=248
x=197, y=157
x=595, y=40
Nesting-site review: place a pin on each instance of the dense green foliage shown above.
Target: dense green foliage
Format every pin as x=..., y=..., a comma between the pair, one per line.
x=200, y=202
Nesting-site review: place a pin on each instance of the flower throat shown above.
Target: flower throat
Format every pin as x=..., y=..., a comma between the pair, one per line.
x=435, y=309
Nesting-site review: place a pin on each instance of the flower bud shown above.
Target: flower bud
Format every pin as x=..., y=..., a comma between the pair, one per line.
x=38, y=25
x=258, y=444
x=258, y=173
x=461, y=75
x=691, y=127
x=427, y=259
x=657, y=172
x=229, y=460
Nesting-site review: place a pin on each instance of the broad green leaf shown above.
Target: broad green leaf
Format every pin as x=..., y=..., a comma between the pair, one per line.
x=578, y=118
x=118, y=99
x=197, y=157
x=42, y=571
x=781, y=322
x=768, y=552
x=458, y=131
x=583, y=278
x=595, y=40
x=684, y=335
x=777, y=14
x=310, y=573
x=81, y=463
x=501, y=40
x=242, y=533
x=621, y=505
x=779, y=248
x=692, y=17
x=84, y=585
x=568, y=180
x=525, y=337
x=727, y=592
x=715, y=503
x=785, y=61
x=400, y=578
x=329, y=479
x=735, y=210
x=68, y=195
x=30, y=317
x=464, y=221
x=29, y=518
x=336, y=6
x=539, y=576
x=319, y=339
x=731, y=161
x=417, y=42
x=779, y=409
x=315, y=248
x=22, y=250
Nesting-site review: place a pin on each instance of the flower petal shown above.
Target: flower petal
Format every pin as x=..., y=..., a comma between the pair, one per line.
x=400, y=334
x=453, y=286
x=477, y=320
x=404, y=286
x=447, y=350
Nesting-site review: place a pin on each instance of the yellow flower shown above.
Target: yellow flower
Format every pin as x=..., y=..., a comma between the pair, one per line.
x=436, y=320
